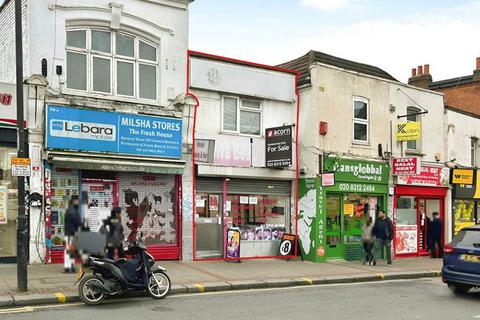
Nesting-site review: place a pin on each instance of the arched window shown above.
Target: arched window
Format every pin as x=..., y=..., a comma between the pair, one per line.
x=104, y=62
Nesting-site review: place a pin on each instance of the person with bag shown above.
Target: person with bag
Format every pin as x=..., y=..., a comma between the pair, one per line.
x=367, y=240
x=383, y=233
x=114, y=232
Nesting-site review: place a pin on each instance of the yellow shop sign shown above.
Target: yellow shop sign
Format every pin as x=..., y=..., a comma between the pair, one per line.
x=407, y=131
x=462, y=176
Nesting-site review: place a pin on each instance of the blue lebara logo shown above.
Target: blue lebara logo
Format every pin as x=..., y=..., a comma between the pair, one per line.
x=57, y=125
x=99, y=131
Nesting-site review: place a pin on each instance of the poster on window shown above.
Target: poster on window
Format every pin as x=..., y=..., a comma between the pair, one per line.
x=3, y=204
x=213, y=200
x=97, y=202
x=148, y=203
x=233, y=243
x=406, y=239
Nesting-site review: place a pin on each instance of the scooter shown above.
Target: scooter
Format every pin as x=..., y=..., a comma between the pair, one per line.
x=115, y=277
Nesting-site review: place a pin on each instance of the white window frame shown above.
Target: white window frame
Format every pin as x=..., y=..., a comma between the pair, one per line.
x=473, y=151
x=114, y=58
x=361, y=121
x=418, y=143
x=240, y=108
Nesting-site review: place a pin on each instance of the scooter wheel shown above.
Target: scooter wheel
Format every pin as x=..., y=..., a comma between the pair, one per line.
x=87, y=294
x=158, y=284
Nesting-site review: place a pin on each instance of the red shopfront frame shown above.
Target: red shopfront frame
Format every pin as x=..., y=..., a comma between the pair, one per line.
x=420, y=194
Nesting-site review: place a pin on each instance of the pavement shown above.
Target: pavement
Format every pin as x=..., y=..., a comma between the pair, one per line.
x=47, y=284
x=426, y=298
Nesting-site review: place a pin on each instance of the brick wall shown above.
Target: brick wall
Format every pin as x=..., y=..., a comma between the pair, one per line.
x=465, y=98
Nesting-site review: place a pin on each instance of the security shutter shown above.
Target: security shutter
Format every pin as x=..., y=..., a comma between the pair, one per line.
x=266, y=187
x=209, y=185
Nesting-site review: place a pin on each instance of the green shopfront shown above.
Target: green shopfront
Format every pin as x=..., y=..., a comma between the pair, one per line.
x=331, y=216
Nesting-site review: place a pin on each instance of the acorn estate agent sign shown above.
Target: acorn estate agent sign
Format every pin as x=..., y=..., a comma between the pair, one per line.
x=278, y=147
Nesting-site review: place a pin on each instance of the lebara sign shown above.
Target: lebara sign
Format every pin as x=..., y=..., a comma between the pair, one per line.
x=99, y=131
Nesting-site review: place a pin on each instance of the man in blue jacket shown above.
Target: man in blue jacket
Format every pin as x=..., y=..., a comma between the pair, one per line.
x=435, y=235
x=383, y=233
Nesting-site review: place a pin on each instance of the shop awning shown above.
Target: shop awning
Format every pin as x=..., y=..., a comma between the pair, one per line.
x=119, y=164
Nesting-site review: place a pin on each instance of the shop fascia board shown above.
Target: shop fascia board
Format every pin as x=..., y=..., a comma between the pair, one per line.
x=206, y=170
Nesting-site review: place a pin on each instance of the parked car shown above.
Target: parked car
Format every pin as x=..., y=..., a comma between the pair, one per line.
x=461, y=261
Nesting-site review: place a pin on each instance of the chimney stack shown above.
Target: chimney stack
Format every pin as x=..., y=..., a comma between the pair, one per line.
x=476, y=72
x=421, y=77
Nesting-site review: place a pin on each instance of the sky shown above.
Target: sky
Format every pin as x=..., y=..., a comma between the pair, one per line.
x=391, y=34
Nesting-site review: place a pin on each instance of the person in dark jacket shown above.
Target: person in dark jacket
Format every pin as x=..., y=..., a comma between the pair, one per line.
x=435, y=235
x=72, y=224
x=383, y=233
x=114, y=230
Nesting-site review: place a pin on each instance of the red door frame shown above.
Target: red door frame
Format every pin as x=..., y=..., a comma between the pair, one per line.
x=420, y=193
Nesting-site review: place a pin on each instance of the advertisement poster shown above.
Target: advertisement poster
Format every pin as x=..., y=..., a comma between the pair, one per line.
x=90, y=130
x=406, y=239
x=3, y=204
x=287, y=245
x=348, y=209
x=233, y=243
x=213, y=200
x=428, y=177
x=278, y=147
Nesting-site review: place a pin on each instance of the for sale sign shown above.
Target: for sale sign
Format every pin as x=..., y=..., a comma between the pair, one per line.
x=278, y=147
x=406, y=166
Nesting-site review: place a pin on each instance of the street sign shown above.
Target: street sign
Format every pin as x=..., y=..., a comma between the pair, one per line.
x=405, y=166
x=21, y=167
x=408, y=131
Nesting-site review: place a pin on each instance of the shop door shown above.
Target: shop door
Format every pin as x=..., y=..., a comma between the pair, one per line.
x=426, y=208
x=209, y=225
x=333, y=231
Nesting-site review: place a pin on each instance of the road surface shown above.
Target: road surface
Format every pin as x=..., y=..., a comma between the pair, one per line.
x=388, y=300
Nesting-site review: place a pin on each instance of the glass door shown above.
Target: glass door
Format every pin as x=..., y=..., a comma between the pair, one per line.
x=209, y=225
x=333, y=230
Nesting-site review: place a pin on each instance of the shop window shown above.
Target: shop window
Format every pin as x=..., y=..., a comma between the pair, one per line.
x=8, y=204
x=112, y=63
x=360, y=120
x=464, y=214
x=259, y=217
x=473, y=151
x=242, y=116
x=412, y=116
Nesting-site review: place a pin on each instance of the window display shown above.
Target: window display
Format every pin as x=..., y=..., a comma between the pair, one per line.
x=8, y=204
x=464, y=214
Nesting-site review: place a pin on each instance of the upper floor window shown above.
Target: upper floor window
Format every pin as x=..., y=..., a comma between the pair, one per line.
x=412, y=116
x=114, y=63
x=241, y=115
x=360, y=120
x=473, y=151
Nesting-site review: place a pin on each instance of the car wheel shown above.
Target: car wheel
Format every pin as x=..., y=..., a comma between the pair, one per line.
x=459, y=288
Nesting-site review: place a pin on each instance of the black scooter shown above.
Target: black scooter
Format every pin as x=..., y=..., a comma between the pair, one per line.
x=114, y=277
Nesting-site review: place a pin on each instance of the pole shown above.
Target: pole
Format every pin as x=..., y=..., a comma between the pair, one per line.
x=22, y=238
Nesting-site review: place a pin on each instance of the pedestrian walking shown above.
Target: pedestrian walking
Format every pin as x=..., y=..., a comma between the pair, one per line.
x=383, y=233
x=114, y=231
x=436, y=236
x=72, y=224
x=367, y=240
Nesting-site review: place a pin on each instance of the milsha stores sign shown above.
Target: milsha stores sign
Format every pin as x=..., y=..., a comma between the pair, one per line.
x=90, y=130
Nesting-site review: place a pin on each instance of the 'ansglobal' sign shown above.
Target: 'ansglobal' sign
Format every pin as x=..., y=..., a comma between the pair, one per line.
x=90, y=130
x=350, y=170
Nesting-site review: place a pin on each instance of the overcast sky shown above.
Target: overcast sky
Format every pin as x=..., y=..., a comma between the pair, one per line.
x=392, y=34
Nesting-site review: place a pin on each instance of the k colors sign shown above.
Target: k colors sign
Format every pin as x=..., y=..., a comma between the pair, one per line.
x=405, y=166
x=462, y=176
x=407, y=131
x=278, y=147
x=99, y=131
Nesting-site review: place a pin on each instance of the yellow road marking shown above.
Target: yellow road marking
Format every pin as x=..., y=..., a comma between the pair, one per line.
x=308, y=280
x=60, y=297
x=16, y=310
x=200, y=287
x=381, y=276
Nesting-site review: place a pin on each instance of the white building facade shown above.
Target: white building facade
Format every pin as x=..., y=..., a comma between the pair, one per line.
x=105, y=110
x=348, y=126
x=244, y=129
